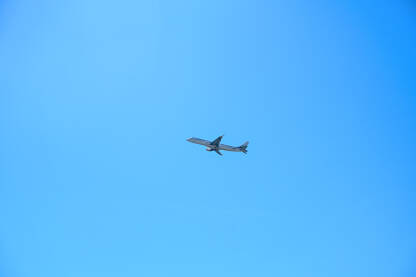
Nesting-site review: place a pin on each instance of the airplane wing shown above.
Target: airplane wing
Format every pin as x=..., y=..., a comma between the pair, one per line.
x=218, y=152
x=217, y=141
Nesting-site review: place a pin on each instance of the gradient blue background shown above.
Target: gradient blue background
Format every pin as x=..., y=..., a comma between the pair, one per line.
x=97, y=99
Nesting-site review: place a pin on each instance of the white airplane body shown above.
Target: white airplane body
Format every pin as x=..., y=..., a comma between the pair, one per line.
x=215, y=145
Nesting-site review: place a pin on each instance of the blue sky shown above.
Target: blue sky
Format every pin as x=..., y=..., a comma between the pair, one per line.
x=97, y=99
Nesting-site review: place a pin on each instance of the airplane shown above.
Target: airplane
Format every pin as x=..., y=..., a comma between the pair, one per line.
x=216, y=146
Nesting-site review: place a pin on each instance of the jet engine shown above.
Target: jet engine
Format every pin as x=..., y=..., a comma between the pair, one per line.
x=209, y=149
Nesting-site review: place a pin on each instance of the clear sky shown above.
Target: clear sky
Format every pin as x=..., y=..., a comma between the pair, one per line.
x=97, y=99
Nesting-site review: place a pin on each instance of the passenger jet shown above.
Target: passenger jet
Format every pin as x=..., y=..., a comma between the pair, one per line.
x=216, y=146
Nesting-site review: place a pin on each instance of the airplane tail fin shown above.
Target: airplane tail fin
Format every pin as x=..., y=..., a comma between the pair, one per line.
x=243, y=147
